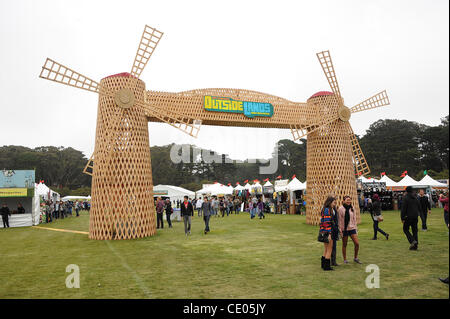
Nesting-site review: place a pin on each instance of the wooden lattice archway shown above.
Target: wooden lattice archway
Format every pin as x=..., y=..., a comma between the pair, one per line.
x=122, y=197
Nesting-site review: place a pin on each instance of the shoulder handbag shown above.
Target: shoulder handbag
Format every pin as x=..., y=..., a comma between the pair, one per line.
x=380, y=218
x=323, y=237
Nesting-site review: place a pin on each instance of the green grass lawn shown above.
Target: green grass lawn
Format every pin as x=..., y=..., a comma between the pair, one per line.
x=278, y=257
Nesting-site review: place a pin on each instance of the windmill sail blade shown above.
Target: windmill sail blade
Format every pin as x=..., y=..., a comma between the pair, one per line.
x=149, y=40
x=361, y=166
x=89, y=165
x=180, y=121
x=328, y=69
x=380, y=99
x=57, y=72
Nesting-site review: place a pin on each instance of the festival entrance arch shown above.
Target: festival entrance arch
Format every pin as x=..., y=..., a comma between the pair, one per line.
x=122, y=201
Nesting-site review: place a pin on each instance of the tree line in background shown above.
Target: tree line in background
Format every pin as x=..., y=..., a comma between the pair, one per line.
x=390, y=146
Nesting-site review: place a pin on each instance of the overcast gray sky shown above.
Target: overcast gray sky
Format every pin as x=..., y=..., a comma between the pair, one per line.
x=267, y=46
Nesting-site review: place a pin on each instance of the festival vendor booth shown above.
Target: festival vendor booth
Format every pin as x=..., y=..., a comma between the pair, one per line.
x=238, y=190
x=281, y=196
x=19, y=187
x=174, y=193
x=268, y=189
x=256, y=189
x=432, y=188
x=367, y=187
x=296, y=189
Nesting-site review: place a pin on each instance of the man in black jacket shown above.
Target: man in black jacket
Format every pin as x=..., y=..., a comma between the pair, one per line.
x=187, y=210
x=425, y=208
x=410, y=217
x=5, y=212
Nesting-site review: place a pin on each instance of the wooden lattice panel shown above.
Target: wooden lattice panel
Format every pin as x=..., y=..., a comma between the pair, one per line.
x=57, y=72
x=329, y=168
x=380, y=99
x=191, y=103
x=122, y=197
x=359, y=160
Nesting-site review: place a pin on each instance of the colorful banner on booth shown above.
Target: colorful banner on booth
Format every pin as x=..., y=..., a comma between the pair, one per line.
x=13, y=192
x=228, y=105
x=17, y=178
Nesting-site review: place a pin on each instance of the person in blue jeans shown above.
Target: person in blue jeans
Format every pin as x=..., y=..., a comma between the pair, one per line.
x=260, y=207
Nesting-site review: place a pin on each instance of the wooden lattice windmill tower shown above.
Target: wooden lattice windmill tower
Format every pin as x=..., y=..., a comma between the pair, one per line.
x=122, y=198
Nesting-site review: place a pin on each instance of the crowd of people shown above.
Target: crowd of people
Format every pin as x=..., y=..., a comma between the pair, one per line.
x=209, y=206
x=340, y=223
x=52, y=210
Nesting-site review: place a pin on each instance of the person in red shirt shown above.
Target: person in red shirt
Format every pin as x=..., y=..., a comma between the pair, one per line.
x=187, y=211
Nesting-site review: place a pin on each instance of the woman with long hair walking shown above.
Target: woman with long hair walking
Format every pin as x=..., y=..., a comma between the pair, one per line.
x=326, y=224
x=375, y=212
x=347, y=227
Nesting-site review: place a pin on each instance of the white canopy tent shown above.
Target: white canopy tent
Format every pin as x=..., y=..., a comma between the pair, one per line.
x=67, y=198
x=368, y=180
x=239, y=187
x=389, y=182
x=407, y=181
x=44, y=191
x=430, y=182
x=173, y=192
x=248, y=186
x=296, y=185
x=268, y=184
x=216, y=189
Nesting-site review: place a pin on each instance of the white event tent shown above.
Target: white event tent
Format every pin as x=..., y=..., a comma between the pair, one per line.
x=430, y=182
x=67, y=198
x=216, y=189
x=296, y=185
x=389, y=182
x=407, y=181
x=173, y=192
x=268, y=184
x=44, y=191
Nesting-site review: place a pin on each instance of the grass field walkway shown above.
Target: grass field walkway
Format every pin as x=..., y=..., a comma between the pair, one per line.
x=278, y=257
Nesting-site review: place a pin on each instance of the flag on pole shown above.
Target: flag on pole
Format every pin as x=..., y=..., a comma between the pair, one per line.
x=293, y=176
x=279, y=177
x=425, y=172
x=266, y=180
x=246, y=181
x=383, y=173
